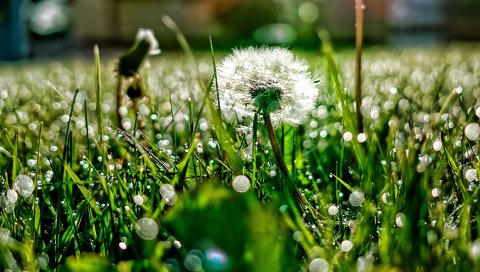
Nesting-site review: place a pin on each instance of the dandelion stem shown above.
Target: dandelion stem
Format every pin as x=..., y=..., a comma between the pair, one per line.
x=119, y=101
x=276, y=149
x=283, y=166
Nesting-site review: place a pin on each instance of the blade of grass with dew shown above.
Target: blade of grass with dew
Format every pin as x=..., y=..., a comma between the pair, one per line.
x=341, y=97
x=99, y=98
x=85, y=192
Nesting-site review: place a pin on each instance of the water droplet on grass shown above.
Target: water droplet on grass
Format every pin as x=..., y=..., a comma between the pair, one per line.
x=138, y=199
x=400, y=219
x=347, y=136
x=318, y=265
x=146, y=228
x=193, y=262
x=42, y=260
x=474, y=249
x=361, y=137
x=167, y=191
x=471, y=174
x=171, y=201
x=333, y=210
x=24, y=185
x=356, y=198
x=346, y=246
x=386, y=197
x=437, y=145
x=241, y=184
x=459, y=90
x=472, y=131
x=216, y=260
x=177, y=244
x=436, y=192
x=12, y=196
x=298, y=236
x=122, y=245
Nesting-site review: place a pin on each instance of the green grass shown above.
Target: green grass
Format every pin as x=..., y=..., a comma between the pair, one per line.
x=420, y=210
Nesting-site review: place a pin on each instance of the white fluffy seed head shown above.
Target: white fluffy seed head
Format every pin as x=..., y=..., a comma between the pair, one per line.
x=147, y=35
x=243, y=72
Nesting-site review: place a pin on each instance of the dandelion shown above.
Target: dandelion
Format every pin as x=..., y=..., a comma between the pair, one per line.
x=267, y=81
x=270, y=82
x=145, y=34
x=129, y=65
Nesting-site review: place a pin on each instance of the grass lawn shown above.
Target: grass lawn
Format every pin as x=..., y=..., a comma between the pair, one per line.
x=175, y=186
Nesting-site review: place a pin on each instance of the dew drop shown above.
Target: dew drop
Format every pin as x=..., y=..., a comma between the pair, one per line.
x=361, y=137
x=333, y=210
x=193, y=262
x=386, y=197
x=138, y=199
x=474, y=249
x=241, y=184
x=347, y=136
x=436, y=192
x=400, y=219
x=177, y=244
x=216, y=260
x=12, y=196
x=318, y=265
x=146, y=228
x=472, y=131
x=298, y=236
x=42, y=260
x=167, y=191
x=356, y=198
x=437, y=145
x=24, y=185
x=346, y=246
x=122, y=245
x=471, y=174
x=171, y=201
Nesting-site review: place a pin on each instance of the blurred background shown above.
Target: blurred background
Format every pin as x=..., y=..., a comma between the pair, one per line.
x=55, y=28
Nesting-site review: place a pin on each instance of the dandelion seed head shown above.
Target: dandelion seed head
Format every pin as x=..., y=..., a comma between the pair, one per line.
x=147, y=35
x=269, y=80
